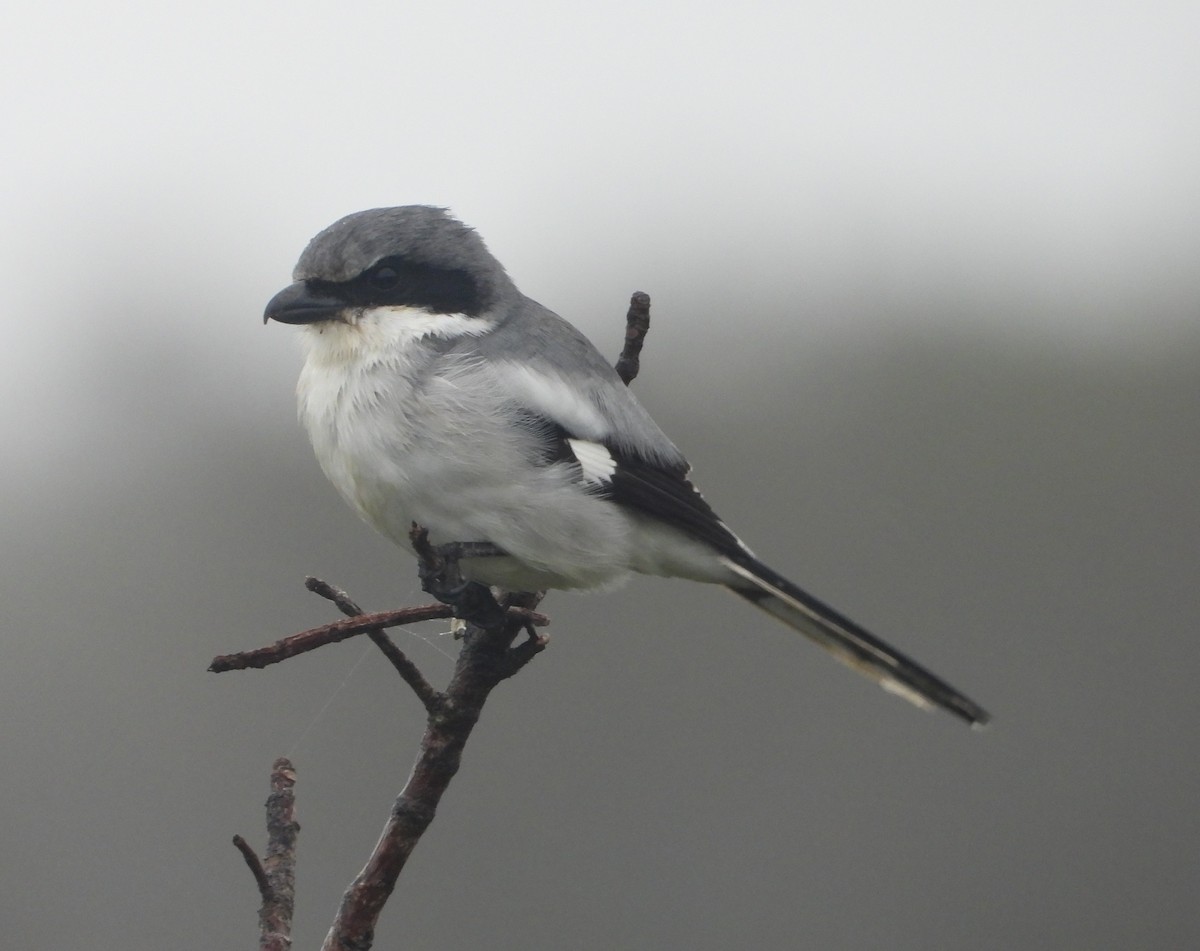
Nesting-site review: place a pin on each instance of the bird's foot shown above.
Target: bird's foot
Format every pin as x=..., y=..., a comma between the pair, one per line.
x=438, y=569
x=456, y=551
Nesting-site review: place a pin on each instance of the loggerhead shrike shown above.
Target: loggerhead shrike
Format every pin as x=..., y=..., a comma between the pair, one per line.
x=436, y=392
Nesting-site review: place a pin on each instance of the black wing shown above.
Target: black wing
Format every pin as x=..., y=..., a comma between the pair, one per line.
x=662, y=492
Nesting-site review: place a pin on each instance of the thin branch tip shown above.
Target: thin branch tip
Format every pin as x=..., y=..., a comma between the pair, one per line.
x=333, y=593
x=637, y=325
x=332, y=633
x=254, y=863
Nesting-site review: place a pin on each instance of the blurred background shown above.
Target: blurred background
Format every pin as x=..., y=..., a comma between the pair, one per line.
x=925, y=296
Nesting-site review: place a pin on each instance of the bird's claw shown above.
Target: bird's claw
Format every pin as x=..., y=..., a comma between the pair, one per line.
x=440, y=574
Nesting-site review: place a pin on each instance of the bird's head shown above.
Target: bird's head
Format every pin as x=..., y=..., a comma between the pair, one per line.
x=410, y=258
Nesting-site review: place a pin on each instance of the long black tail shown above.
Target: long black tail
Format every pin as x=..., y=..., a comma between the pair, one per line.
x=847, y=641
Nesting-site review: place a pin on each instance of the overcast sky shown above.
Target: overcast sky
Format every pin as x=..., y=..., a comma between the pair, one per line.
x=925, y=293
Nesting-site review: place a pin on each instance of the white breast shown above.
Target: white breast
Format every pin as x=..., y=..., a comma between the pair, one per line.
x=358, y=401
x=409, y=434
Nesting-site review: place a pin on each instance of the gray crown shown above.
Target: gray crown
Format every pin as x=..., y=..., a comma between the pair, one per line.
x=422, y=234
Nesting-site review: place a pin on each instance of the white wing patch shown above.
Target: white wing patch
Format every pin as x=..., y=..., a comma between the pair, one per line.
x=549, y=395
x=595, y=460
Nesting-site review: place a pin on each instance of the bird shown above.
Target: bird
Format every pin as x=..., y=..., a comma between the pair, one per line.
x=434, y=392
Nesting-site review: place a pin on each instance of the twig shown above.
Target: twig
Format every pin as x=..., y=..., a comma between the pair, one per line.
x=335, y=594
x=486, y=659
x=409, y=672
x=637, y=325
x=254, y=863
x=336, y=631
x=325, y=634
x=276, y=877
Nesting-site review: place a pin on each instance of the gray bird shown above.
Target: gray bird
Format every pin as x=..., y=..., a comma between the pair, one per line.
x=436, y=392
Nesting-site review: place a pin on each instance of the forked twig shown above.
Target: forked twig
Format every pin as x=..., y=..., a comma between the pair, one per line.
x=276, y=876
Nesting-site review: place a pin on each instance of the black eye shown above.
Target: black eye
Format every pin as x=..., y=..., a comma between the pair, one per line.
x=384, y=277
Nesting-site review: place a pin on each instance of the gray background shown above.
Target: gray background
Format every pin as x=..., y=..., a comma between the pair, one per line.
x=925, y=296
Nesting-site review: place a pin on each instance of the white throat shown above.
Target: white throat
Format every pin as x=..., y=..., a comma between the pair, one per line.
x=359, y=404
x=384, y=333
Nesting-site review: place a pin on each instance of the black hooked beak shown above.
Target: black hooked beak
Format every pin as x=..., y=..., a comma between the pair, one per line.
x=300, y=304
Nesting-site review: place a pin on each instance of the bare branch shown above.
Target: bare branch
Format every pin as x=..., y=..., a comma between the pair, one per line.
x=335, y=594
x=280, y=863
x=276, y=877
x=373, y=626
x=486, y=659
x=637, y=325
x=521, y=654
x=411, y=674
x=325, y=634
x=254, y=863
x=409, y=671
